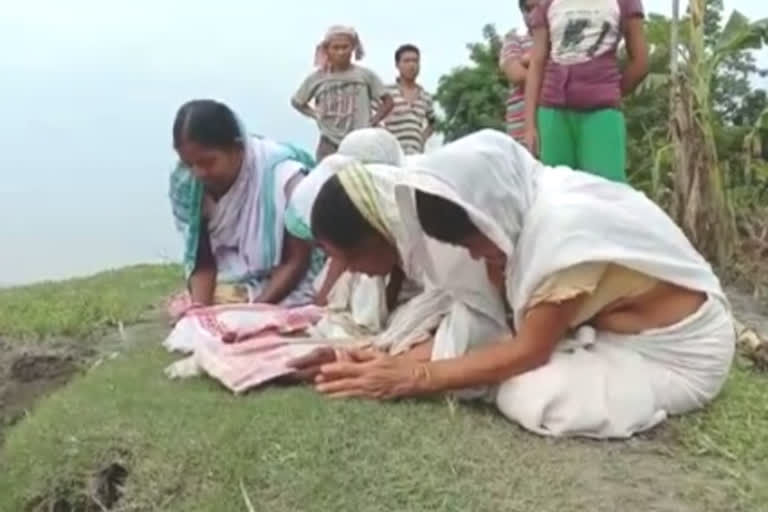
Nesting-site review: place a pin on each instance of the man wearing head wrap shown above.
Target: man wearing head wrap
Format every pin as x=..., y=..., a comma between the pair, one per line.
x=339, y=94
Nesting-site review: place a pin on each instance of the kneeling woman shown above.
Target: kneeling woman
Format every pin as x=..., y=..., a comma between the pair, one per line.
x=355, y=220
x=619, y=321
x=228, y=195
x=367, y=146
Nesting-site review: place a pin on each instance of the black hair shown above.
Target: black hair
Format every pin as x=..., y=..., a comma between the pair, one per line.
x=442, y=219
x=207, y=122
x=336, y=219
x=405, y=49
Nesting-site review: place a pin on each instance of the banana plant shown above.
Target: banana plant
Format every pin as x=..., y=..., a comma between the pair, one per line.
x=752, y=143
x=701, y=201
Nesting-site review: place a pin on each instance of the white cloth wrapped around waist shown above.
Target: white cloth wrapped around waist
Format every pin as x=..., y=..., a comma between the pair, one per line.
x=607, y=385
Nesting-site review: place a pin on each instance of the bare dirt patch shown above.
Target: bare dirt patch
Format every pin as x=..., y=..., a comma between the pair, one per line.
x=30, y=371
x=101, y=492
x=749, y=311
x=752, y=327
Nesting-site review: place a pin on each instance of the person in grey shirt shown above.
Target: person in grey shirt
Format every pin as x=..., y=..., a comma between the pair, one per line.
x=339, y=95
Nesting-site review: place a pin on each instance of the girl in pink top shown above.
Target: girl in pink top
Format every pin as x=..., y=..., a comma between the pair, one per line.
x=574, y=85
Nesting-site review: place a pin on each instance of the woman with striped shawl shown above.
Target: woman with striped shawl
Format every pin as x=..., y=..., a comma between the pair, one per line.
x=228, y=195
x=356, y=221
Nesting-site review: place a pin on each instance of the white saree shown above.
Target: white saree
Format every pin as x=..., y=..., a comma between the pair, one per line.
x=597, y=384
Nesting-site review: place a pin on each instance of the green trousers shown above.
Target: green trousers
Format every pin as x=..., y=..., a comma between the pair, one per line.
x=594, y=141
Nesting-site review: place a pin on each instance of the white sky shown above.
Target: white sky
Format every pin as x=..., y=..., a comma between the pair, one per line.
x=88, y=90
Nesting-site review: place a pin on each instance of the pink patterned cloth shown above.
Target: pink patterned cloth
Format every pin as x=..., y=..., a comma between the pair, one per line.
x=178, y=304
x=262, y=352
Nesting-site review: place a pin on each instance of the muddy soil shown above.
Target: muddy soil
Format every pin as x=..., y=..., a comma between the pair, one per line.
x=30, y=370
x=750, y=312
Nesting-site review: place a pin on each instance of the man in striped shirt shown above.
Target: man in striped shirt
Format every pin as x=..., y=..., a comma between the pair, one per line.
x=412, y=120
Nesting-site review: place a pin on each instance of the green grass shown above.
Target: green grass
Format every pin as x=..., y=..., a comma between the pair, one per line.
x=80, y=307
x=734, y=430
x=188, y=445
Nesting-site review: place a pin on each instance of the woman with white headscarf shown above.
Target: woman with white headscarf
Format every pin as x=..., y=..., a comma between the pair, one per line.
x=366, y=301
x=355, y=220
x=618, y=321
x=367, y=145
x=373, y=146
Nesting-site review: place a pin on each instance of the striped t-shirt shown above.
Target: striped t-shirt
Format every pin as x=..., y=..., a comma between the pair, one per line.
x=515, y=47
x=409, y=119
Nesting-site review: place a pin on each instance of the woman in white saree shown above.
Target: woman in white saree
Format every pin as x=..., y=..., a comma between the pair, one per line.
x=367, y=146
x=356, y=221
x=618, y=321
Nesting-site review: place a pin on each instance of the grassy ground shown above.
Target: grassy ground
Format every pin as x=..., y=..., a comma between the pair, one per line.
x=79, y=307
x=191, y=446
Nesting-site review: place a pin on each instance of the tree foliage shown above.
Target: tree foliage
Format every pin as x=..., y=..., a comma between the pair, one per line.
x=717, y=67
x=473, y=96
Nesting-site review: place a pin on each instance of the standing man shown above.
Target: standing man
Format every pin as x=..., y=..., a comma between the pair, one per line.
x=339, y=94
x=412, y=120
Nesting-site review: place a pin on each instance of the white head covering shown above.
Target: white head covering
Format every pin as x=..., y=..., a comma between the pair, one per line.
x=321, y=50
x=488, y=173
x=373, y=146
x=303, y=197
x=368, y=146
x=547, y=219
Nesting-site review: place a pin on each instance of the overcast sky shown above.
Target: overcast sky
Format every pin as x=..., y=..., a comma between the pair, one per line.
x=88, y=90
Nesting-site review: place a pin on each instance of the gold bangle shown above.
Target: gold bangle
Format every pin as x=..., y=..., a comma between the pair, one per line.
x=422, y=373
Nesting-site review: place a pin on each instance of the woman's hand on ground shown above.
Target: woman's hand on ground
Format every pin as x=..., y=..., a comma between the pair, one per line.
x=308, y=367
x=370, y=374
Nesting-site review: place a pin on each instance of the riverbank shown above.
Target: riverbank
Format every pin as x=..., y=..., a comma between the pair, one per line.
x=91, y=423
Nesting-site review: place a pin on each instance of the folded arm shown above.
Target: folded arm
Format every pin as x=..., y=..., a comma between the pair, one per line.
x=303, y=97
x=385, y=106
x=304, y=108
